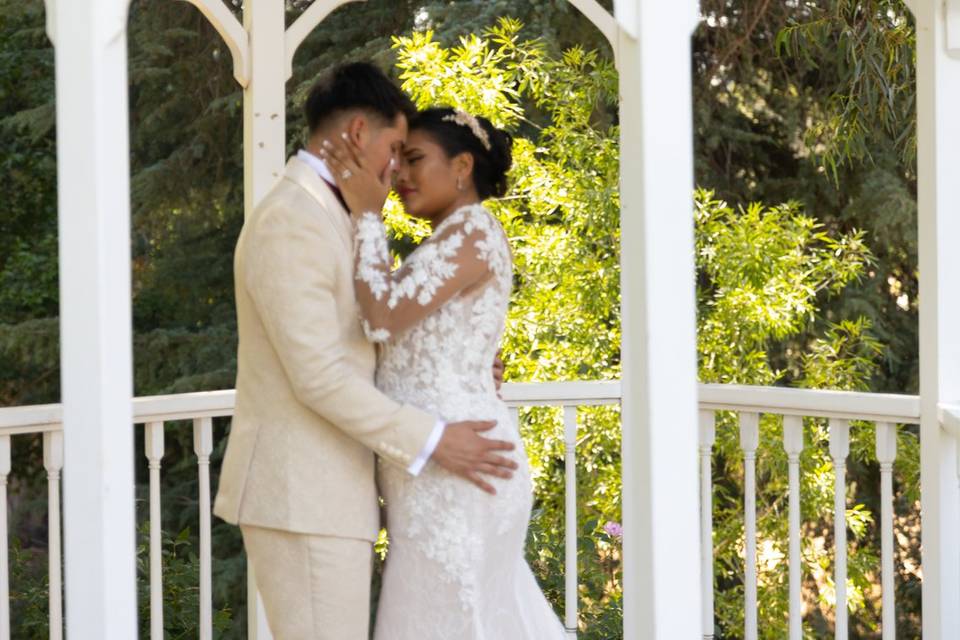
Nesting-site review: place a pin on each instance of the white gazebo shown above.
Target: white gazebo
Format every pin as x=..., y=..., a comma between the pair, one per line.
x=667, y=419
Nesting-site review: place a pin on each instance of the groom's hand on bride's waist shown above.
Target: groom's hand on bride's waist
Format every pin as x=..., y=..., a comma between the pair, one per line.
x=464, y=452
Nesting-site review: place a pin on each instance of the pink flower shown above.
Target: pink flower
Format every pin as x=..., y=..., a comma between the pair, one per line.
x=614, y=530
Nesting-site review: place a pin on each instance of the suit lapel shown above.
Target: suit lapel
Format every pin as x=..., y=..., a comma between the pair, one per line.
x=301, y=174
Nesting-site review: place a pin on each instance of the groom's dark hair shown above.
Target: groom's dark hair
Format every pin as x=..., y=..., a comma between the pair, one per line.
x=356, y=85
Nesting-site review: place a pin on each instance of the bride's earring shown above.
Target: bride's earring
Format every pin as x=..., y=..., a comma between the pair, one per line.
x=459, y=183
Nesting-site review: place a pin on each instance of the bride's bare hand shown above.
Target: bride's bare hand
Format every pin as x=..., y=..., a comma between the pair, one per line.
x=361, y=187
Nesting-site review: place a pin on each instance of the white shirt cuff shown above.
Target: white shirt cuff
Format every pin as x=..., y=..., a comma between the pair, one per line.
x=428, y=449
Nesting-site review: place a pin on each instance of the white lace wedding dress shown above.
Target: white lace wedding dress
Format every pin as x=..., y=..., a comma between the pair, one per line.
x=455, y=568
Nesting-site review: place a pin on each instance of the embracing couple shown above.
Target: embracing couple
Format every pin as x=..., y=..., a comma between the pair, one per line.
x=344, y=360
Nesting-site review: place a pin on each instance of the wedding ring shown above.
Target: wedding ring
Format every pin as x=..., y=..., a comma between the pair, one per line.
x=346, y=174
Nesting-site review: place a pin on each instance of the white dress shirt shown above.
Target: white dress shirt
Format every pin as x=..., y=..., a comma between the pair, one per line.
x=318, y=165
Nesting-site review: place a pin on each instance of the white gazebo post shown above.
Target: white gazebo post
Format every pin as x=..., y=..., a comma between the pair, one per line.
x=264, y=100
x=661, y=560
x=95, y=316
x=264, y=154
x=938, y=148
x=263, y=50
x=264, y=115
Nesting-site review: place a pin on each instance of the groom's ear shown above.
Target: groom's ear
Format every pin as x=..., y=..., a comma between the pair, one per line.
x=358, y=129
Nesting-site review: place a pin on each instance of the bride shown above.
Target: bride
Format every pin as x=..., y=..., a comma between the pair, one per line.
x=456, y=566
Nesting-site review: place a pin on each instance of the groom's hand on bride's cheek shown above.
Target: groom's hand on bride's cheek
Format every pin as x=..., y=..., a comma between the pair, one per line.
x=464, y=452
x=360, y=186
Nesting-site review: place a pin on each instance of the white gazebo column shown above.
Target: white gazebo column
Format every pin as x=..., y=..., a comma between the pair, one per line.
x=95, y=316
x=938, y=136
x=264, y=155
x=263, y=50
x=661, y=557
x=264, y=100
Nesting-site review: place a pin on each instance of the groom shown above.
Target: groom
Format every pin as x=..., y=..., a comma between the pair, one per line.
x=298, y=474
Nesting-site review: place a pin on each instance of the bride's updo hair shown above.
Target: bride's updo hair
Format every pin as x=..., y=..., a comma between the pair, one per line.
x=454, y=131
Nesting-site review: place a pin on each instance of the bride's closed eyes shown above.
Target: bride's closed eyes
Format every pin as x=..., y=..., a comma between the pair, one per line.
x=412, y=157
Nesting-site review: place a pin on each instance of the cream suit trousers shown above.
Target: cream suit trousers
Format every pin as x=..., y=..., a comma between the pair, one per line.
x=313, y=587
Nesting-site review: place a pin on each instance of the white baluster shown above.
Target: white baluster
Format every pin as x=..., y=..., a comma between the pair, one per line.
x=839, y=449
x=53, y=463
x=570, y=440
x=4, y=547
x=708, y=435
x=886, y=454
x=749, y=441
x=515, y=416
x=793, y=445
x=154, y=449
x=203, y=447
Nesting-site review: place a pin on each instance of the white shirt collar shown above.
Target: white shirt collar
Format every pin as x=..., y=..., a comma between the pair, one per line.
x=317, y=165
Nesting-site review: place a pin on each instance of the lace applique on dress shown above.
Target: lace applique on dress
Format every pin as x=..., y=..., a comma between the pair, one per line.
x=372, y=250
x=463, y=249
x=429, y=269
x=455, y=546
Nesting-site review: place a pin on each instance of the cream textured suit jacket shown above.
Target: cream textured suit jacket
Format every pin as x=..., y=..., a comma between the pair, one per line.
x=300, y=455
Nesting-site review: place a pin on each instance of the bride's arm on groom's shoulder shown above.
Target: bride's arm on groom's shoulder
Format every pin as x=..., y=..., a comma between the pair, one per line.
x=391, y=301
x=463, y=254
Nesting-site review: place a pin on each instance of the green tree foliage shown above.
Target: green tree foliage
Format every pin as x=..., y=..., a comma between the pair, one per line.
x=814, y=102
x=784, y=263
x=28, y=226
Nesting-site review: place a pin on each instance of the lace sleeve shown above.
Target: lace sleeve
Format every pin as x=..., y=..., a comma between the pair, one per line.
x=463, y=253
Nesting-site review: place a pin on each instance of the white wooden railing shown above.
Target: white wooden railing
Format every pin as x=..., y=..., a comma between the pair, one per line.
x=152, y=412
x=838, y=408
x=155, y=411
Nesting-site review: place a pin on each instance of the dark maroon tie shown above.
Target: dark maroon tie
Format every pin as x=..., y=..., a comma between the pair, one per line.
x=336, y=192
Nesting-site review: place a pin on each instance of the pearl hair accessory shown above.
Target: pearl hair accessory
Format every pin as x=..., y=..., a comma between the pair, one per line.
x=464, y=119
